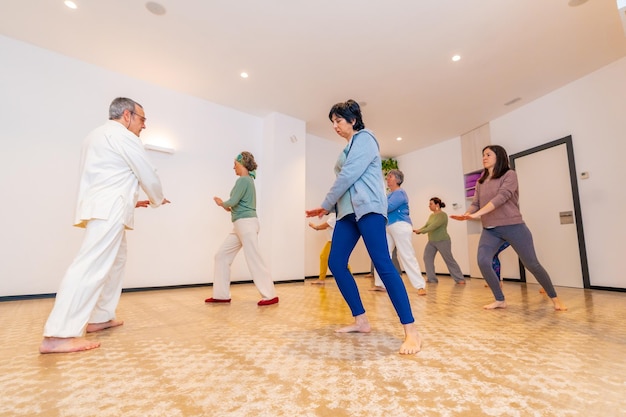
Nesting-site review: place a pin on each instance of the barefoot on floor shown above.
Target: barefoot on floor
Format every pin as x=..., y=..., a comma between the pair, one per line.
x=66, y=344
x=96, y=327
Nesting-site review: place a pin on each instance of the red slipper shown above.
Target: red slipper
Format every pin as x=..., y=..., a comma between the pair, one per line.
x=217, y=300
x=268, y=302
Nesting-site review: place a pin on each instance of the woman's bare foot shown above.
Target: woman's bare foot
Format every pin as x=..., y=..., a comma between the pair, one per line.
x=461, y=282
x=318, y=282
x=542, y=291
x=361, y=325
x=421, y=291
x=96, y=327
x=66, y=344
x=558, y=306
x=378, y=288
x=412, y=341
x=495, y=304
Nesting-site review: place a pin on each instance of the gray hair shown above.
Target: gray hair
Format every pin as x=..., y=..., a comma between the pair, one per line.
x=118, y=105
x=398, y=175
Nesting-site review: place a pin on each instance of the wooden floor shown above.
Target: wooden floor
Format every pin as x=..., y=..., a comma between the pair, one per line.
x=176, y=356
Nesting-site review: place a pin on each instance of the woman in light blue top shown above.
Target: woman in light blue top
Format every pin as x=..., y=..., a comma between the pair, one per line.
x=358, y=197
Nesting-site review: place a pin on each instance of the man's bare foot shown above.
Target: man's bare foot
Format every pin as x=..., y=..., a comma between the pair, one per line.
x=318, y=282
x=495, y=304
x=96, y=327
x=361, y=325
x=558, y=306
x=66, y=344
x=378, y=288
x=412, y=340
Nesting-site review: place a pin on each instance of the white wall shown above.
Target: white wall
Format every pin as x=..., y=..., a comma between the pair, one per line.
x=592, y=110
x=49, y=104
x=282, y=196
x=437, y=171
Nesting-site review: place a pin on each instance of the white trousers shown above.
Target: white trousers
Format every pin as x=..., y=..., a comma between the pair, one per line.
x=92, y=285
x=399, y=236
x=245, y=234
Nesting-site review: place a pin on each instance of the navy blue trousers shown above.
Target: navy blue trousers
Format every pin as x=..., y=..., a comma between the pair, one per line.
x=345, y=237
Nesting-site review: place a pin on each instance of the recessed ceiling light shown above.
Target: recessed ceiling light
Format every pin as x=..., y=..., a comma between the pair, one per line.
x=70, y=4
x=244, y=75
x=456, y=58
x=155, y=8
x=398, y=138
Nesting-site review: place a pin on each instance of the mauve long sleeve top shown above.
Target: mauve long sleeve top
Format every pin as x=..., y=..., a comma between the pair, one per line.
x=503, y=193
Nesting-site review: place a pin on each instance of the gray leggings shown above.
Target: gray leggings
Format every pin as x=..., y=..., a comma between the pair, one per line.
x=521, y=241
x=444, y=248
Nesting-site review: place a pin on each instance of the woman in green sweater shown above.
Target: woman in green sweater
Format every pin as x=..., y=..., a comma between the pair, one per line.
x=242, y=208
x=439, y=241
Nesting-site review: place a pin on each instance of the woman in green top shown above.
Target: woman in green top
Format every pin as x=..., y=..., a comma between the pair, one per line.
x=439, y=241
x=242, y=208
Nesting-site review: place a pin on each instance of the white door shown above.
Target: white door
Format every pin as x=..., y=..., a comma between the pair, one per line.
x=546, y=203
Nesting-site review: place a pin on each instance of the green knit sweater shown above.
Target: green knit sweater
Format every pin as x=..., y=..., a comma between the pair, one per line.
x=242, y=201
x=436, y=227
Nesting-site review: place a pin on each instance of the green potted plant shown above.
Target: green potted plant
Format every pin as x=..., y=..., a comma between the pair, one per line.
x=389, y=164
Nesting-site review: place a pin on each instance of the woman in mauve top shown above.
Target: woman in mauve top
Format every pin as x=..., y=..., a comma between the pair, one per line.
x=496, y=203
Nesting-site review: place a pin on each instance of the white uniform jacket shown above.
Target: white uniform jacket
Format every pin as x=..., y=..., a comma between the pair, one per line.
x=113, y=166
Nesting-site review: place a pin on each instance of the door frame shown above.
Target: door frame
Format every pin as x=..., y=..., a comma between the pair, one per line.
x=582, y=248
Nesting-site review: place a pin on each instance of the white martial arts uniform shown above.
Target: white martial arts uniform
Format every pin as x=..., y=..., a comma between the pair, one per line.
x=114, y=165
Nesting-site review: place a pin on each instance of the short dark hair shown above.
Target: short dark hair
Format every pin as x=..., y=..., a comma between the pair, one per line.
x=118, y=105
x=350, y=111
x=502, y=163
x=438, y=201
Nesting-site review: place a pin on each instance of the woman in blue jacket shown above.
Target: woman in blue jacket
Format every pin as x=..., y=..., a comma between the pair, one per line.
x=358, y=197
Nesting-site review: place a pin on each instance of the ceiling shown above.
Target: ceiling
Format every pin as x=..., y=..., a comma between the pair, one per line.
x=393, y=56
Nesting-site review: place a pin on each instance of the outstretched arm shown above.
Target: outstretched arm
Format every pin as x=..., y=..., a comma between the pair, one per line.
x=146, y=203
x=220, y=203
x=319, y=212
x=322, y=226
x=487, y=208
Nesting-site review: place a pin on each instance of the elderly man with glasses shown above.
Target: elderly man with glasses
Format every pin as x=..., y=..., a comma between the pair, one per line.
x=114, y=165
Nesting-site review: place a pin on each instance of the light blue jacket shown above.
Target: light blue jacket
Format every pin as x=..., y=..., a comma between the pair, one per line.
x=361, y=176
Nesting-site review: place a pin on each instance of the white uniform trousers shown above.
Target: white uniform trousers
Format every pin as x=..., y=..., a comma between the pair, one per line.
x=399, y=236
x=91, y=288
x=245, y=234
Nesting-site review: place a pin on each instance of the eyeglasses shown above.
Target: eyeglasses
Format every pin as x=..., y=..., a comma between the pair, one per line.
x=143, y=119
